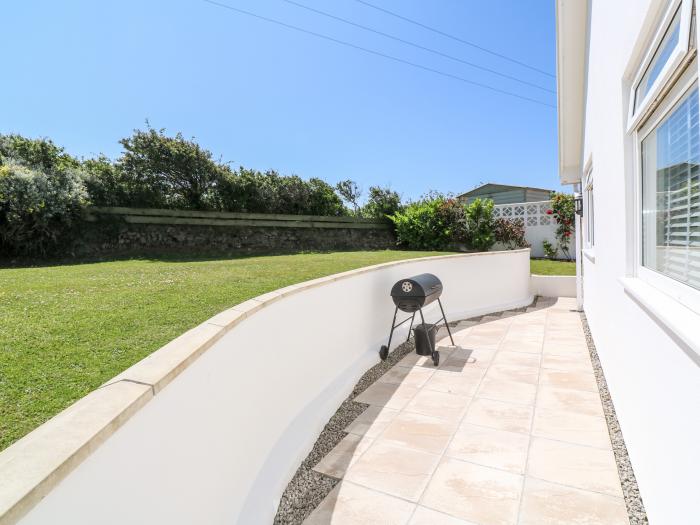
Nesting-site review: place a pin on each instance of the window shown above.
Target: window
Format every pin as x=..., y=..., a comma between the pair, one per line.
x=588, y=210
x=671, y=193
x=660, y=58
x=665, y=53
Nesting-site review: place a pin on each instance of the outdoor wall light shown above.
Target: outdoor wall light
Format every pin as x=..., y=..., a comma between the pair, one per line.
x=578, y=204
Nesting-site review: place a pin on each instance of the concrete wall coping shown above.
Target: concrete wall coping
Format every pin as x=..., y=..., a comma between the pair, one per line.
x=31, y=467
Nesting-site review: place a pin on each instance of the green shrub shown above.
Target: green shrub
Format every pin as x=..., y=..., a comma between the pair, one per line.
x=510, y=233
x=550, y=251
x=38, y=210
x=39, y=154
x=251, y=191
x=479, y=225
x=430, y=224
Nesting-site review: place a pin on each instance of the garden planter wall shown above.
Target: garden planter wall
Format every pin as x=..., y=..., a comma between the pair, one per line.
x=211, y=427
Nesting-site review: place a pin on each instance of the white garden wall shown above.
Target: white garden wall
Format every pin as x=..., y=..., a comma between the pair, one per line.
x=227, y=413
x=539, y=226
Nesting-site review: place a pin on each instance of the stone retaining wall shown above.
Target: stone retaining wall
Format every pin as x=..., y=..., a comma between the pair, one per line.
x=135, y=230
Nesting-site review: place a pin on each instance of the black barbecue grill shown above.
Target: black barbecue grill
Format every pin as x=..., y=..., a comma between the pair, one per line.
x=412, y=295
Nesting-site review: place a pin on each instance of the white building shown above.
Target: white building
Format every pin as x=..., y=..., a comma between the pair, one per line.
x=629, y=139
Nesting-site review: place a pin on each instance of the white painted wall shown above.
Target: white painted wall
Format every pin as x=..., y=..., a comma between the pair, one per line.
x=538, y=225
x=553, y=285
x=219, y=444
x=653, y=378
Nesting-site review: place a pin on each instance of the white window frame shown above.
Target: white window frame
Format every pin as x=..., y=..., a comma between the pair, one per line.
x=588, y=210
x=677, y=56
x=681, y=292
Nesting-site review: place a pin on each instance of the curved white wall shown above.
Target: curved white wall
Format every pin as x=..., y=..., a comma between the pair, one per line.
x=219, y=443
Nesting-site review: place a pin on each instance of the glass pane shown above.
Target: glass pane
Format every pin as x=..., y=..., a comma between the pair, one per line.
x=663, y=53
x=671, y=194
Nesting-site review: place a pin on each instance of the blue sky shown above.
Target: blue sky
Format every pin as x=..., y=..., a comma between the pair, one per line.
x=85, y=73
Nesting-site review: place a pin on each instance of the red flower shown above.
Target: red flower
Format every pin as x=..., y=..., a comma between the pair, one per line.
x=549, y=212
x=568, y=234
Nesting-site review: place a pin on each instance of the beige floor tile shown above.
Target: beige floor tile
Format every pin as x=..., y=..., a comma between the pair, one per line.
x=568, y=363
x=372, y=421
x=489, y=447
x=425, y=361
x=344, y=454
x=550, y=504
x=578, y=349
x=571, y=427
x=464, y=383
x=388, y=395
x=585, y=468
x=572, y=380
x=419, y=432
x=516, y=359
x=517, y=373
x=471, y=492
x=509, y=391
x=426, y=516
x=398, y=471
x=414, y=376
x=350, y=504
x=463, y=359
x=483, y=342
x=499, y=415
x=577, y=401
x=527, y=346
x=450, y=407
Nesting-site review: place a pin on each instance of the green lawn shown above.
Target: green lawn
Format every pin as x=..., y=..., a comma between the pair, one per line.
x=545, y=267
x=65, y=330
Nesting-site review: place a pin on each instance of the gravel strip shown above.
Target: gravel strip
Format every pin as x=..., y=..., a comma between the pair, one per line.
x=308, y=488
x=630, y=490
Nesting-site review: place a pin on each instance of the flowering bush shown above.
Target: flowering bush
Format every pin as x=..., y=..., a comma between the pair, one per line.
x=563, y=212
x=550, y=251
x=38, y=210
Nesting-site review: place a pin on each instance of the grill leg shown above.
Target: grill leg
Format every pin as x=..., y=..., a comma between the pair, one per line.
x=384, y=350
x=411, y=326
x=446, y=323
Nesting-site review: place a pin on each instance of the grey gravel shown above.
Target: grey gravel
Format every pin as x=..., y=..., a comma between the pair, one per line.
x=630, y=490
x=308, y=487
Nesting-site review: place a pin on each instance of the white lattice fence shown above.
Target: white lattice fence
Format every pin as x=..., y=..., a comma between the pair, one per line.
x=539, y=226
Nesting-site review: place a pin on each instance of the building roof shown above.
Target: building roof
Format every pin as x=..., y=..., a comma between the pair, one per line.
x=572, y=29
x=490, y=187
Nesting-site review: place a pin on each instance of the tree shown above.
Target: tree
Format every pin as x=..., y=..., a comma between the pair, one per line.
x=168, y=171
x=381, y=203
x=350, y=192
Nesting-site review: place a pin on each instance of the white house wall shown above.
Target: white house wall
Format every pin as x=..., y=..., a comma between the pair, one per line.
x=654, y=380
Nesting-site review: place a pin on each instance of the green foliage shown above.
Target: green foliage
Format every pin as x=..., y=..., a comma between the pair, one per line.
x=351, y=193
x=510, y=233
x=38, y=210
x=428, y=224
x=39, y=154
x=251, y=191
x=563, y=210
x=440, y=222
x=546, y=267
x=105, y=183
x=171, y=172
x=479, y=225
x=382, y=203
x=550, y=251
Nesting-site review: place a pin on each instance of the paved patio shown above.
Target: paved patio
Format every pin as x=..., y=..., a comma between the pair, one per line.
x=508, y=429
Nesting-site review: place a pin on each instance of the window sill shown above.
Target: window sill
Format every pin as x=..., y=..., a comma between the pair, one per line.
x=669, y=313
x=590, y=254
